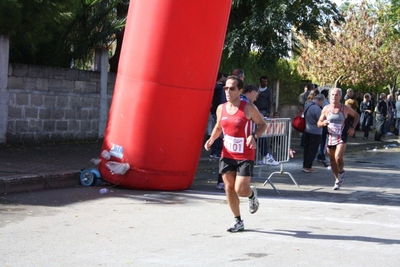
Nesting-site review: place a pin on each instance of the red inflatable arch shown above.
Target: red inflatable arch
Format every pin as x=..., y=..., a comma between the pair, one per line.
x=166, y=76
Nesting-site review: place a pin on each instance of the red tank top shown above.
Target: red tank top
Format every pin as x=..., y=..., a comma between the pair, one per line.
x=236, y=129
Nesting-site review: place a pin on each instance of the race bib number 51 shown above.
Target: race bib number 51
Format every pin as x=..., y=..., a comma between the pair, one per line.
x=234, y=144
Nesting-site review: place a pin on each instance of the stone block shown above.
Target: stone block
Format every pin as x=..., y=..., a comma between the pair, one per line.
x=19, y=70
x=57, y=114
x=85, y=126
x=73, y=125
x=70, y=114
x=28, y=83
x=35, y=126
x=75, y=103
x=36, y=71
x=62, y=101
x=11, y=126
x=86, y=102
x=31, y=113
x=50, y=101
x=49, y=126
x=56, y=85
x=14, y=112
x=82, y=114
x=22, y=99
x=61, y=126
x=84, y=76
x=36, y=100
x=45, y=114
x=22, y=126
x=15, y=82
x=42, y=84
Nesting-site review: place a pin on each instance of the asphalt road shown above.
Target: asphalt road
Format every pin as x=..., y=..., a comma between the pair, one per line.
x=312, y=225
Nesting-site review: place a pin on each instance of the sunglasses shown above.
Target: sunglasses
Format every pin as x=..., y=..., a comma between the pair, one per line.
x=230, y=89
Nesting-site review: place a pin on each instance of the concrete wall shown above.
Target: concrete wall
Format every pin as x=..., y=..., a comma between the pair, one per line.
x=53, y=104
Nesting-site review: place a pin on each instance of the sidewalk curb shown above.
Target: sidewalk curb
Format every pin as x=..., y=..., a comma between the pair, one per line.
x=36, y=182
x=63, y=179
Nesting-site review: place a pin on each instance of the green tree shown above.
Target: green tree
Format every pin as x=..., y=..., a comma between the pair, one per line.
x=33, y=26
x=96, y=24
x=270, y=27
x=361, y=53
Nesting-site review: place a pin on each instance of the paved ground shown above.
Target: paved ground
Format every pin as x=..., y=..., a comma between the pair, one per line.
x=312, y=225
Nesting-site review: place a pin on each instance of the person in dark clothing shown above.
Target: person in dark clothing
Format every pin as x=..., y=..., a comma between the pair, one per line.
x=264, y=105
x=322, y=146
x=312, y=133
x=216, y=148
x=366, y=110
x=381, y=115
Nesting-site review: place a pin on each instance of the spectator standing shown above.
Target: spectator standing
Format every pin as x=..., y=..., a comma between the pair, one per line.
x=351, y=102
x=304, y=96
x=312, y=134
x=301, y=96
x=217, y=145
x=264, y=100
x=381, y=111
x=366, y=109
x=264, y=105
x=322, y=147
x=391, y=107
x=359, y=99
x=398, y=116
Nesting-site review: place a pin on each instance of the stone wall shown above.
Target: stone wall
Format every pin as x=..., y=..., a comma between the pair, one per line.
x=53, y=104
x=46, y=104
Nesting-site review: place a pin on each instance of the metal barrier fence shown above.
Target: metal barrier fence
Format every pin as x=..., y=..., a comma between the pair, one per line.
x=276, y=141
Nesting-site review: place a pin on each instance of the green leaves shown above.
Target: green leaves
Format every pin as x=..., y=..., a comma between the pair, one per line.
x=363, y=50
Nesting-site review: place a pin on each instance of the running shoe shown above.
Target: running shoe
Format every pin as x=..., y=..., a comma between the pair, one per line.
x=236, y=226
x=341, y=177
x=269, y=160
x=336, y=186
x=309, y=170
x=253, y=202
x=220, y=186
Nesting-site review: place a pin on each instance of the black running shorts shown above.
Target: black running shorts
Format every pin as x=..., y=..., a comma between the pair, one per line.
x=241, y=167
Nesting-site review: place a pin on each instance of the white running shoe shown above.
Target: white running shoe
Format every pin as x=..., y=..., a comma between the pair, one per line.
x=337, y=184
x=268, y=159
x=253, y=202
x=236, y=226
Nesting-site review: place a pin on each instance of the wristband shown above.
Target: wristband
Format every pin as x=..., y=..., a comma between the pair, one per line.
x=254, y=135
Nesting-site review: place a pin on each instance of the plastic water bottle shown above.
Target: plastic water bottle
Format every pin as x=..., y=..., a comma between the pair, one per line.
x=104, y=191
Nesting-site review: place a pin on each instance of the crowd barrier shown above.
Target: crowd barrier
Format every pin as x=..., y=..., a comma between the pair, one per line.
x=277, y=138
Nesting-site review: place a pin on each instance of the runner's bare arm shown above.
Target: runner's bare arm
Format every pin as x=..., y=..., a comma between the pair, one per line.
x=322, y=119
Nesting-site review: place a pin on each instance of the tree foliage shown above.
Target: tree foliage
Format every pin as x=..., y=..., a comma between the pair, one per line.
x=54, y=31
x=34, y=26
x=95, y=25
x=270, y=27
x=362, y=52
x=51, y=32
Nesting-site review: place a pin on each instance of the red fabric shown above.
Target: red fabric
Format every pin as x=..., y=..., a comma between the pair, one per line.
x=236, y=129
x=165, y=83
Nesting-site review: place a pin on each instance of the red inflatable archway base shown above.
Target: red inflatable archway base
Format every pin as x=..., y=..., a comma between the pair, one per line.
x=166, y=77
